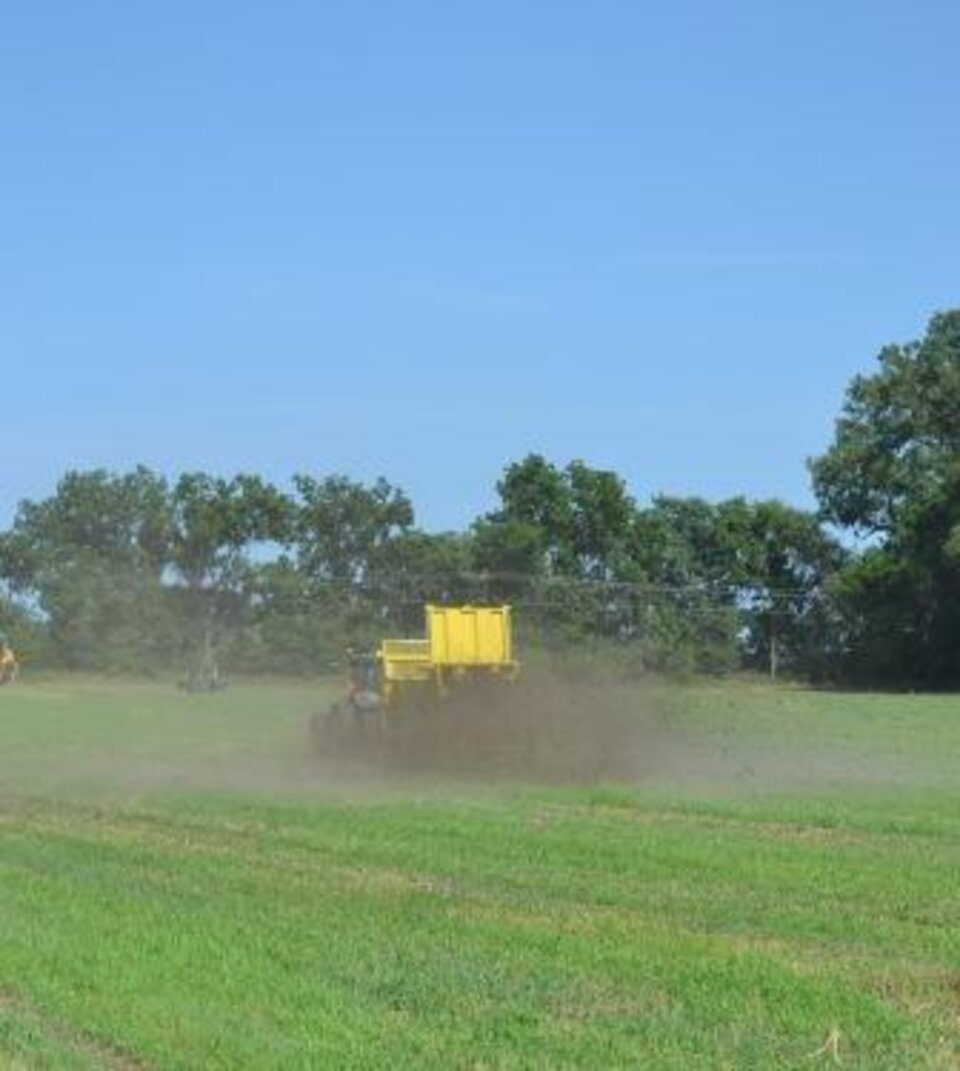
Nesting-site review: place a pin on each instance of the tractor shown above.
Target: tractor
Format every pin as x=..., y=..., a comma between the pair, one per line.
x=465, y=659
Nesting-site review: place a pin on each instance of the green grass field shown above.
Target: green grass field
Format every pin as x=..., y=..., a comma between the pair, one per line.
x=182, y=886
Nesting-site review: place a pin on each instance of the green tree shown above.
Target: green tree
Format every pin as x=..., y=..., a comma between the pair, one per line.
x=535, y=512
x=91, y=557
x=511, y=553
x=340, y=526
x=570, y=522
x=892, y=474
x=339, y=575
x=556, y=534
x=215, y=525
x=601, y=513
x=684, y=562
x=784, y=570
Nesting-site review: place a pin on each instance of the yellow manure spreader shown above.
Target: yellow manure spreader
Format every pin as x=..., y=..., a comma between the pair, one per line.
x=410, y=691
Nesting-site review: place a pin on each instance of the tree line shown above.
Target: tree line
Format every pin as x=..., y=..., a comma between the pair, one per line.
x=134, y=572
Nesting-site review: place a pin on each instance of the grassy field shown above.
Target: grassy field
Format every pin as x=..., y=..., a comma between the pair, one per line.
x=182, y=886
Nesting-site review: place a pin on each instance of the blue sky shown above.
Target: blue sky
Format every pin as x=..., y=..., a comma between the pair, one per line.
x=424, y=239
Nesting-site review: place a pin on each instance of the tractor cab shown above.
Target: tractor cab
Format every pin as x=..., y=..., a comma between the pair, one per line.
x=364, y=679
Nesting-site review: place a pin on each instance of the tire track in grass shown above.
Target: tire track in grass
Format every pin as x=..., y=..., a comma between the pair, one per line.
x=82, y=1050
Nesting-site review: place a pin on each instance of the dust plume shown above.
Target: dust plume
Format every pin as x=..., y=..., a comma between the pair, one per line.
x=543, y=728
x=70, y=738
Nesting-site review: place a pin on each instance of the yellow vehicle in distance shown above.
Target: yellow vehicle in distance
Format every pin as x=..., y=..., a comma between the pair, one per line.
x=464, y=644
x=466, y=650
x=9, y=666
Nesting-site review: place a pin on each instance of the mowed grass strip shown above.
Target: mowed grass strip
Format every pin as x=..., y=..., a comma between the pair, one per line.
x=470, y=927
x=28, y=1039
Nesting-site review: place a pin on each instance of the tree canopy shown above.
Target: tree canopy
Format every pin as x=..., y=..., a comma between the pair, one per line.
x=125, y=571
x=131, y=571
x=892, y=474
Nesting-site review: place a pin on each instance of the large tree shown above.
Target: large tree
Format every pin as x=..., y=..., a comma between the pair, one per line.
x=683, y=558
x=341, y=525
x=571, y=522
x=215, y=524
x=91, y=559
x=785, y=565
x=892, y=475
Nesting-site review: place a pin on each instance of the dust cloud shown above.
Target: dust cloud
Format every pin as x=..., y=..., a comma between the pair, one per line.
x=541, y=728
x=547, y=728
x=544, y=729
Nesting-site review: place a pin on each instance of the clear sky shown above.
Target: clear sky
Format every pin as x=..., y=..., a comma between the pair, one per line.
x=424, y=239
